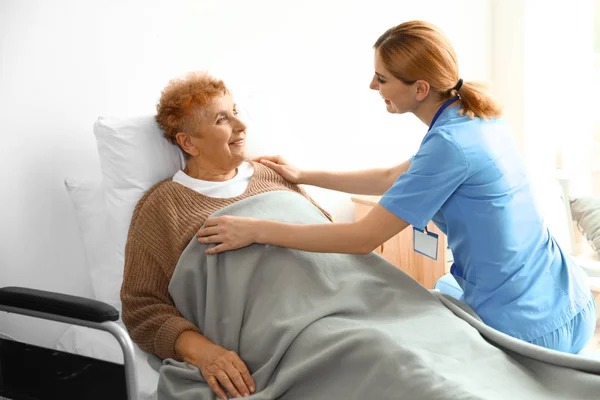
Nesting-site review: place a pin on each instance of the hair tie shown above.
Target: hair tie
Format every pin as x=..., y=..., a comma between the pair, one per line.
x=458, y=85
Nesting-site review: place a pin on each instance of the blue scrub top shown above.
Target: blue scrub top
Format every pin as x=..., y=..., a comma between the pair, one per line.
x=468, y=177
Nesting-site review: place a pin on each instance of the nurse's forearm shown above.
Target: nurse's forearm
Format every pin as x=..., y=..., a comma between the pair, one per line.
x=319, y=238
x=374, y=181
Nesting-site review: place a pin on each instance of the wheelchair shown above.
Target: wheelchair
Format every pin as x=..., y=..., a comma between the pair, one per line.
x=29, y=372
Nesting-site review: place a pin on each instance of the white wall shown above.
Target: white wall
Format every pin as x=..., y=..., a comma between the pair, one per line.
x=308, y=64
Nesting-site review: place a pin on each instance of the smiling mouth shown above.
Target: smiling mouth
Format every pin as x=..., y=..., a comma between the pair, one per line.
x=238, y=142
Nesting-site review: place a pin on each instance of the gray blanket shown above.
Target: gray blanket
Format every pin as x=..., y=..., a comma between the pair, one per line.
x=331, y=326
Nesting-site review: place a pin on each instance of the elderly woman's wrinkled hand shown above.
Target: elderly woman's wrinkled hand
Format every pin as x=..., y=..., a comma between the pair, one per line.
x=222, y=368
x=228, y=233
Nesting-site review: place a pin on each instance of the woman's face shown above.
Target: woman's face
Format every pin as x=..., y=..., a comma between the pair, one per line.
x=399, y=97
x=219, y=136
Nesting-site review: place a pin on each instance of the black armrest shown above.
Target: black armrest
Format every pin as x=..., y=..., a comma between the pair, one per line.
x=58, y=304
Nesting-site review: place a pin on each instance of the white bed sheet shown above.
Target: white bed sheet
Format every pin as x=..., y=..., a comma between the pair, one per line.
x=102, y=345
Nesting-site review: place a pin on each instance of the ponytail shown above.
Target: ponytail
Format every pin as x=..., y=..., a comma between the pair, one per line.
x=477, y=101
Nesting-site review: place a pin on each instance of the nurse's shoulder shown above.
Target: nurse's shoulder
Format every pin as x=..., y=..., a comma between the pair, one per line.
x=480, y=140
x=440, y=149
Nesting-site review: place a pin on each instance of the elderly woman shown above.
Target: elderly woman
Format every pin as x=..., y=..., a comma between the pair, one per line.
x=197, y=113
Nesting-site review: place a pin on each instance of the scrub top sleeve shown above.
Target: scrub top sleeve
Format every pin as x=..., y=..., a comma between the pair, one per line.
x=435, y=172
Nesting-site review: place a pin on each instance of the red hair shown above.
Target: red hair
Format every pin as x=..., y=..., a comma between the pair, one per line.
x=181, y=100
x=418, y=50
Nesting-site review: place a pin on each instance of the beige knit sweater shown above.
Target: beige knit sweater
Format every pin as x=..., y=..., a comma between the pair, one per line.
x=163, y=223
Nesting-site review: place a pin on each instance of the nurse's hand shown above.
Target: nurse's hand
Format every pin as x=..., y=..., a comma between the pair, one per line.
x=282, y=167
x=228, y=232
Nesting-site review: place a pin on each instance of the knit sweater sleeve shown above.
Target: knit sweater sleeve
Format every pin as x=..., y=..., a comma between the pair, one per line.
x=151, y=318
x=149, y=314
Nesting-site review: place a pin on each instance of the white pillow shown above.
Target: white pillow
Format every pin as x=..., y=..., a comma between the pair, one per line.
x=92, y=218
x=134, y=155
x=586, y=212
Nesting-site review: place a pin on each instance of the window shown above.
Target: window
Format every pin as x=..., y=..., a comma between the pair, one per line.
x=596, y=151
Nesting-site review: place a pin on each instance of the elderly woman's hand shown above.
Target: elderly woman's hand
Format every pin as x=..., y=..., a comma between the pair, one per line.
x=223, y=368
x=282, y=167
x=228, y=232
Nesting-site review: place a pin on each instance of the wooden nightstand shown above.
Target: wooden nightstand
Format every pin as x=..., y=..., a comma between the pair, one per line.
x=399, y=250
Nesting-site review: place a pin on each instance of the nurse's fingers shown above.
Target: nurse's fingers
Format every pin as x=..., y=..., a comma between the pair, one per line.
x=213, y=230
x=274, y=159
x=211, y=239
x=213, y=221
x=273, y=165
x=218, y=249
x=257, y=159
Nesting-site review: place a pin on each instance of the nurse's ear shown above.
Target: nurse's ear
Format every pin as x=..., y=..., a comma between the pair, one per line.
x=421, y=90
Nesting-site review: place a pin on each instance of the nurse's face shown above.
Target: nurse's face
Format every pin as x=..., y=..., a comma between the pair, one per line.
x=399, y=97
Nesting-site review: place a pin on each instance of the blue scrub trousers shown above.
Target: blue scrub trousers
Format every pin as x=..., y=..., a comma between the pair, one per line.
x=569, y=338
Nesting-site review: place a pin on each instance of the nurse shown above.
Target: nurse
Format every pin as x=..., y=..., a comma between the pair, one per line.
x=468, y=178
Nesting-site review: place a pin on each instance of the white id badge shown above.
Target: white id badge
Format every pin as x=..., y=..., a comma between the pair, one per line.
x=426, y=243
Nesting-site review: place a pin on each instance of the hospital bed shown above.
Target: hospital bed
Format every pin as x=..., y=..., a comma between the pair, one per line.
x=133, y=157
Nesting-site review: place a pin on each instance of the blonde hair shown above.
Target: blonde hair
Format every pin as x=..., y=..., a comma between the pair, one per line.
x=418, y=50
x=181, y=100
